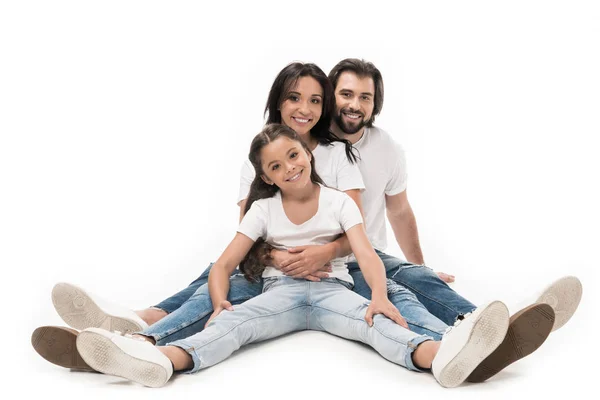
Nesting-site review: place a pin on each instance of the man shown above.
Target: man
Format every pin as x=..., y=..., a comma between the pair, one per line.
x=359, y=99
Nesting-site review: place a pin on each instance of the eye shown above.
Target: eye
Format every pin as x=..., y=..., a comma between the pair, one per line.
x=293, y=97
x=294, y=154
x=346, y=95
x=366, y=98
x=275, y=167
x=316, y=101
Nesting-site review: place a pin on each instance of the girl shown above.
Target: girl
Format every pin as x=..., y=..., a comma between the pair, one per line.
x=292, y=208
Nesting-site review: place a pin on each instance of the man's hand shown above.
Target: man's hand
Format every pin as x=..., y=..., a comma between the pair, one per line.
x=303, y=262
x=225, y=305
x=446, y=277
x=385, y=307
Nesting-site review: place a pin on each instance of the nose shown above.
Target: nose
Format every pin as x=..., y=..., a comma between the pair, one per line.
x=304, y=108
x=289, y=166
x=353, y=103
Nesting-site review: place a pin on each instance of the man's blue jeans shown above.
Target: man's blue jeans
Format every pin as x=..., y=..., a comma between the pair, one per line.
x=433, y=293
x=289, y=305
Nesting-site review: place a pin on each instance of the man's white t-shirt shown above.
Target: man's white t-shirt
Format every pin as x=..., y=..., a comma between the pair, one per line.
x=383, y=167
x=331, y=163
x=336, y=214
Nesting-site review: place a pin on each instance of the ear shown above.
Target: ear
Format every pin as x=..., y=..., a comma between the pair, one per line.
x=266, y=180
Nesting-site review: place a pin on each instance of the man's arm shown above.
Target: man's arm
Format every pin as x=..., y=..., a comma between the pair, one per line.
x=404, y=224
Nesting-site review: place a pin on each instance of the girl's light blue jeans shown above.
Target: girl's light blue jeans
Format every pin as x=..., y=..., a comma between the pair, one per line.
x=288, y=305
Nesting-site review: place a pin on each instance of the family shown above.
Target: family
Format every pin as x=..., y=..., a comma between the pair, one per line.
x=314, y=194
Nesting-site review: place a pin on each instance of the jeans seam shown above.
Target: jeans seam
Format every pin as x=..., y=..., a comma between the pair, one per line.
x=185, y=324
x=425, y=328
x=362, y=320
x=248, y=320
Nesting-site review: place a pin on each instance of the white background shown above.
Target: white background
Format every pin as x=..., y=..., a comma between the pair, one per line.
x=124, y=124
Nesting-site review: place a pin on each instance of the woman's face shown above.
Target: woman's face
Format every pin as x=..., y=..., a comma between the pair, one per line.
x=303, y=105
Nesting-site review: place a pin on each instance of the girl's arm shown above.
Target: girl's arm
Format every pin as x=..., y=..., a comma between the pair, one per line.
x=218, y=279
x=372, y=268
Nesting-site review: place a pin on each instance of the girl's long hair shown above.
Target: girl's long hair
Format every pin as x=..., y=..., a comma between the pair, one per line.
x=285, y=82
x=255, y=261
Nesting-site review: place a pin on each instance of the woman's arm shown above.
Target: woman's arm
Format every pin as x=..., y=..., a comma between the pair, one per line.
x=242, y=205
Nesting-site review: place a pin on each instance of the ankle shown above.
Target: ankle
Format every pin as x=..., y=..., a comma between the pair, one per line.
x=180, y=359
x=425, y=353
x=146, y=338
x=151, y=315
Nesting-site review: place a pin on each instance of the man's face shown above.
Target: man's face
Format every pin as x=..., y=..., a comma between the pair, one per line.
x=354, y=102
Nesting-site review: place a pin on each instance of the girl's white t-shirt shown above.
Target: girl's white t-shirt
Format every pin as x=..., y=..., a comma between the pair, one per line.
x=331, y=163
x=336, y=214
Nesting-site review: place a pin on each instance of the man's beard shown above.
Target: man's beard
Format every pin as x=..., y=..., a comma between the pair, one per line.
x=347, y=128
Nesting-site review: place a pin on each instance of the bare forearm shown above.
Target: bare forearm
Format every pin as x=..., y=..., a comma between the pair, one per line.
x=340, y=247
x=218, y=284
x=374, y=273
x=405, y=230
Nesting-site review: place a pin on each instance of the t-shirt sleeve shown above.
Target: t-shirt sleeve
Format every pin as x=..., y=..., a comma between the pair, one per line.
x=349, y=213
x=246, y=177
x=348, y=174
x=398, y=177
x=254, y=223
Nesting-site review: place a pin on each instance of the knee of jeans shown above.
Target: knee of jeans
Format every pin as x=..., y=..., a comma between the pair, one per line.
x=394, y=288
x=407, y=268
x=201, y=292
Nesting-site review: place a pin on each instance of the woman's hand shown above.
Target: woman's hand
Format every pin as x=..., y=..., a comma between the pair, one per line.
x=303, y=262
x=384, y=306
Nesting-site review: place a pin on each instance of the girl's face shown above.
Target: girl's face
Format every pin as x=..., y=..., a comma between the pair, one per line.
x=303, y=105
x=285, y=163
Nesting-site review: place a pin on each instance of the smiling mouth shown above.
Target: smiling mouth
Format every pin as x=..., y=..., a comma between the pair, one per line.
x=295, y=177
x=302, y=120
x=352, y=116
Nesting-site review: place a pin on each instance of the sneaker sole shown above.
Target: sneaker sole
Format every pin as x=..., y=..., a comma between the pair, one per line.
x=528, y=329
x=79, y=311
x=563, y=296
x=488, y=332
x=57, y=345
x=106, y=357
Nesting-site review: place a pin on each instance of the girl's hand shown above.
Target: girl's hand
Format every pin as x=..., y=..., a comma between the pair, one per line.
x=385, y=307
x=225, y=305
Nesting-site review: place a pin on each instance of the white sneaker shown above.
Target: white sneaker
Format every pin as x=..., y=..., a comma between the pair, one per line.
x=466, y=344
x=563, y=295
x=80, y=311
x=131, y=358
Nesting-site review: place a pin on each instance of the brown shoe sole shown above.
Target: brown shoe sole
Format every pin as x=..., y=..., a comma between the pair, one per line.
x=57, y=345
x=528, y=329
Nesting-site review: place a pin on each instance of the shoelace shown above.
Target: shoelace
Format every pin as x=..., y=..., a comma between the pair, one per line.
x=130, y=336
x=457, y=322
